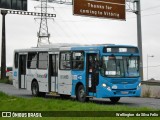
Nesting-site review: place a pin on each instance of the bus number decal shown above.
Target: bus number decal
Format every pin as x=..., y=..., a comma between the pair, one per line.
x=64, y=76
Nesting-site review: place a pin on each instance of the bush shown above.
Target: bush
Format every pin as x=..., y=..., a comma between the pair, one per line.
x=7, y=81
x=158, y=95
x=147, y=93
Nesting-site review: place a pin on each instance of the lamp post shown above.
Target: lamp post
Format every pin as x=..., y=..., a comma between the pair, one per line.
x=147, y=63
x=3, y=49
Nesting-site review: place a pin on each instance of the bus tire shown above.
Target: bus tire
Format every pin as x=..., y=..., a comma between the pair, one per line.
x=35, y=90
x=114, y=99
x=81, y=94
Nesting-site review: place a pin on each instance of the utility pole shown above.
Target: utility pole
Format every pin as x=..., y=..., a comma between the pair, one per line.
x=137, y=10
x=3, y=51
x=139, y=35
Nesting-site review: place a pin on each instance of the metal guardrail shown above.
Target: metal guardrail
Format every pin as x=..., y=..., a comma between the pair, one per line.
x=154, y=83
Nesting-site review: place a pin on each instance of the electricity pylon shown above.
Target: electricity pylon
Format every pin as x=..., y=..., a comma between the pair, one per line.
x=43, y=34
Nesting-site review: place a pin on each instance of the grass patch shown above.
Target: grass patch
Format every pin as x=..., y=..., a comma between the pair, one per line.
x=53, y=104
x=11, y=103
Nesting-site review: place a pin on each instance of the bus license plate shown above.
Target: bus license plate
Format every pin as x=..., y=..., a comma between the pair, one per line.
x=124, y=92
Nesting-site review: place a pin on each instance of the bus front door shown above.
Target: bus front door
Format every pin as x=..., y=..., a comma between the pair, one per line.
x=22, y=71
x=53, y=73
x=92, y=78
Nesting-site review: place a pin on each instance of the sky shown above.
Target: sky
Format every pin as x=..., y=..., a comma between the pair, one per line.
x=21, y=31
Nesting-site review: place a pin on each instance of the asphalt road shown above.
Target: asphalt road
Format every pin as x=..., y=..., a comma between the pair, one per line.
x=132, y=102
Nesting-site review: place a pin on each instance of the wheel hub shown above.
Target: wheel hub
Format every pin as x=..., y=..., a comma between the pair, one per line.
x=81, y=93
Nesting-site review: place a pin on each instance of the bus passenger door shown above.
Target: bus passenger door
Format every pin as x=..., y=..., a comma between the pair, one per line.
x=22, y=71
x=92, y=77
x=53, y=72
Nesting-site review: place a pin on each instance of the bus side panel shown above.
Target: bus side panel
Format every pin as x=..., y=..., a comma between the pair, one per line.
x=64, y=82
x=31, y=74
x=15, y=78
x=15, y=70
x=42, y=78
x=78, y=77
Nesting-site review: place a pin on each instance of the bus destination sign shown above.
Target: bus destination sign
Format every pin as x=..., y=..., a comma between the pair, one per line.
x=113, y=9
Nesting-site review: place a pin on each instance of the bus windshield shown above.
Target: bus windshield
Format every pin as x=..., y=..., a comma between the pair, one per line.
x=120, y=66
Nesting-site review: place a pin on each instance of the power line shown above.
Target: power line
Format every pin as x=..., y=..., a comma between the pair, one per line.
x=151, y=14
x=154, y=7
x=147, y=15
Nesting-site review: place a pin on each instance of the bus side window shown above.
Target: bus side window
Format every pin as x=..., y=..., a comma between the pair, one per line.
x=78, y=60
x=65, y=61
x=32, y=60
x=16, y=60
x=42, y=60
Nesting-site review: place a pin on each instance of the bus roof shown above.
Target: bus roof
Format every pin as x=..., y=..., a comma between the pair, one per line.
x=66, y=46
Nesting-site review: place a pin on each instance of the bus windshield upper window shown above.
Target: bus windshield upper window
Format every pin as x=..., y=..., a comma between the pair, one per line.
x=65, y=60
x=78, y=60
x=118, y=66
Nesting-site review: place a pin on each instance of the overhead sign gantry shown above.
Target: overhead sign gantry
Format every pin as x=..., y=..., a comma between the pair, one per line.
x=14, y=4
x=113, y=9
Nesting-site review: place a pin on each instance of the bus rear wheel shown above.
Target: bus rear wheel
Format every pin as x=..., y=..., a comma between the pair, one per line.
x=35, y=90
x=81, y=95
x=114, y=99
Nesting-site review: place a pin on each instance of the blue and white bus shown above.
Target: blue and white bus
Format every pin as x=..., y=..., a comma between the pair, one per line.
x=84, y=71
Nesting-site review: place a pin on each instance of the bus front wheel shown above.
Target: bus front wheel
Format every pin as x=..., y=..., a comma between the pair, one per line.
x=81, y=94
x=114, y=99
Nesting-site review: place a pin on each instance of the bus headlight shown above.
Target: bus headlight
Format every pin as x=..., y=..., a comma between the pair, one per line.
x=104, y=85
x=139, y=85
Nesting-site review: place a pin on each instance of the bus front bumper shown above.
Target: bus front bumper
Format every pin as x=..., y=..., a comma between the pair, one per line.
x=104, y=92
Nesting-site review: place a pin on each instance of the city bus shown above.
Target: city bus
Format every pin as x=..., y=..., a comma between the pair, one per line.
x=81, y=71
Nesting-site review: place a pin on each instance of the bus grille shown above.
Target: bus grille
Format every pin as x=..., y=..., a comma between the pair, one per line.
x=123, y=81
